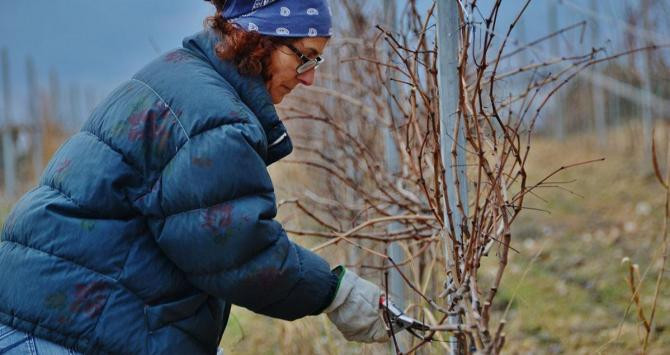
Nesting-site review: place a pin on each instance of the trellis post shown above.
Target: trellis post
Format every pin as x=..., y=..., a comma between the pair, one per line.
x=597, y=92
x=451, y=138
x=396, y=283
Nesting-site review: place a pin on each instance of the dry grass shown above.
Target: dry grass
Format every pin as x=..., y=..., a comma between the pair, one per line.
x=574, y=295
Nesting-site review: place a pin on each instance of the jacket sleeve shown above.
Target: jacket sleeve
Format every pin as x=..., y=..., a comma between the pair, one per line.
x=218, y=207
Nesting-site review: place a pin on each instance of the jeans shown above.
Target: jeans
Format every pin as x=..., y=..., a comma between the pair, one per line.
x=14, y=342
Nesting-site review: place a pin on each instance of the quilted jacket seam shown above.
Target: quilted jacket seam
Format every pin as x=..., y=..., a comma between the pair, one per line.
x=231, y=200
x=301, y=278
x=119, y=282
x=37, y=323
x=208, y=273
x=162, y=169
x=69, y=198
x=124, y=158
x=165, y=103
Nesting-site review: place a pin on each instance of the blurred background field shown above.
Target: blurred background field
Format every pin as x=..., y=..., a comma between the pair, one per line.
x=574, y=298
x=566, y=284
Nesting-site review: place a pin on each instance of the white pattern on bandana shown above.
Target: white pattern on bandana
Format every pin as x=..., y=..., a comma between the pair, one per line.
x=308, y=18
x=261, y=3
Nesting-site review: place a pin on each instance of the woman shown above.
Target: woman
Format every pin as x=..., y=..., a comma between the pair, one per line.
x=149, y=223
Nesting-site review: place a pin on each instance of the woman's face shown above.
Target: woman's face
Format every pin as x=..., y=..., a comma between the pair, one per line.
x=283, y=64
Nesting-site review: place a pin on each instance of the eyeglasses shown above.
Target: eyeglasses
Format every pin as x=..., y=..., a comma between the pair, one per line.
x=307, y=63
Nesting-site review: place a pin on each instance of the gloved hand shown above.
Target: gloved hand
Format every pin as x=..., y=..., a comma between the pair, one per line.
x=355, y=309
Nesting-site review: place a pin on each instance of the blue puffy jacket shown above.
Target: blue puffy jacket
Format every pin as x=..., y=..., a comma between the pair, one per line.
x=157, y=216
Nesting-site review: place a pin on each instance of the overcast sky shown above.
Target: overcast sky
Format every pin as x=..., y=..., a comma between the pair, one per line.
x=98, y=44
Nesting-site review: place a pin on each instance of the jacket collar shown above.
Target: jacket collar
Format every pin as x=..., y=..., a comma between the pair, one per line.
x=252, y=91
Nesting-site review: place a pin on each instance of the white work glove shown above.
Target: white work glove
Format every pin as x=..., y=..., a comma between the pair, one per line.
x=355, y=310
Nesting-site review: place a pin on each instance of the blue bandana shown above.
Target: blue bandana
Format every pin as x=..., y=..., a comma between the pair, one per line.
x=282, y=18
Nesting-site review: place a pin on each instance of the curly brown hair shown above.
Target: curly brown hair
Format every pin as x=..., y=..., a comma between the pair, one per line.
x=250, y=51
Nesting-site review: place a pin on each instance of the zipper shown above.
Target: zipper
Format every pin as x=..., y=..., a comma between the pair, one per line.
x=278, y=140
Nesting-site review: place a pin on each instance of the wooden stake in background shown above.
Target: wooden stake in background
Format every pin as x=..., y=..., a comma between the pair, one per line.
x=8, y=160
x=35, y=118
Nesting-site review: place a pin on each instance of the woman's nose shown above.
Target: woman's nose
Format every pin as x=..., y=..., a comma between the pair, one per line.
x=306, y=78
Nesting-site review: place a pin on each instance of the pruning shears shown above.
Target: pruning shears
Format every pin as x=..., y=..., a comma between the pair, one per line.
x=397, y=320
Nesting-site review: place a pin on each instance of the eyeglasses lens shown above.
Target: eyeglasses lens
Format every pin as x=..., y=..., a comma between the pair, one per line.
x=306, y=67
x=309, y=65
